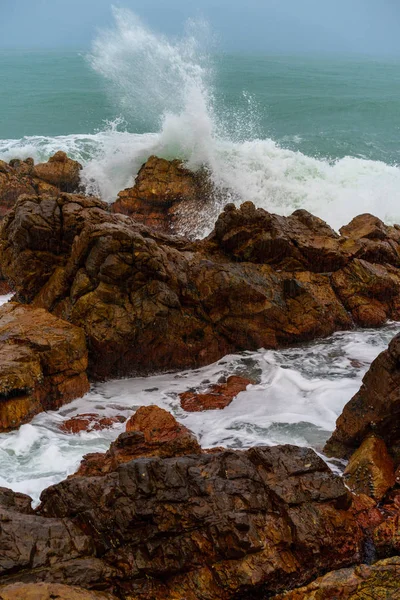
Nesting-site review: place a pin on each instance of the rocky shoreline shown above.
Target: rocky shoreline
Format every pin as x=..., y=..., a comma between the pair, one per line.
x=103, y=292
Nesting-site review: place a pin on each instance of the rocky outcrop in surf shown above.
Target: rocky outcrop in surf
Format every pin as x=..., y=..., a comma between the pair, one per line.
x=149, y=302
x=43, y=363
x=375, y=409
x=20, y=177
x=205, y=526
x=167, y=196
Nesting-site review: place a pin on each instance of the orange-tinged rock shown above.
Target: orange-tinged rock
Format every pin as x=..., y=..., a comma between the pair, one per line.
x=49, y=591
x=218, y=396
x=370, y=469
x=60, y=171
x=151, y=431
x=364, y=582
x=90, y=422
x=43, y=363
x=161, y=186
x=373, y=409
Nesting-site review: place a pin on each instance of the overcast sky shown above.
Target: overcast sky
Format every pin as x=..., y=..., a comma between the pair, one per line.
x=279, y=26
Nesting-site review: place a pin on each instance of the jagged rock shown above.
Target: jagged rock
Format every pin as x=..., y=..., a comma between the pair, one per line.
x=148, y=301
x=22, y=177
x=211, y=526
x=89, y=422
x=371, y=292
x=374, y=409
x=152, y=431
x=161, y=186
x=371, y=469
x=364, y=582
x=300, y=242
x=60, y=171
x=218, y=396
x=42, y=363
x=49, y=591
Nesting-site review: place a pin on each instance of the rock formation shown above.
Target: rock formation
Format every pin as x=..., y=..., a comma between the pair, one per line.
x=201, y=527
x=43, y=363
x=150, y=302
x=365, y=582
x=374, y=409
x=217, y=396
x=166, y=196
x=21, y=177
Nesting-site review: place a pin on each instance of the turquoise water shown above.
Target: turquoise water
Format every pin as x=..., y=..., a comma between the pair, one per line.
x=319, y=133
x=323, y=107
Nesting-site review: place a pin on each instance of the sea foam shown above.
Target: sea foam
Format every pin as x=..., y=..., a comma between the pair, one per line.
x=169, y=86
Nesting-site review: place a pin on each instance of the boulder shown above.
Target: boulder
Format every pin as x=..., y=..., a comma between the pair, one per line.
x=371, y=469
x=218, y=396
x=374, y=409
x=152, y=431
x=364, y=582
x=210, y=526
x=89, y=422
x=22, y=177
x=60, y=171
x=43, y=363
x=161, y=188
x=49, y=591
x=150, y=302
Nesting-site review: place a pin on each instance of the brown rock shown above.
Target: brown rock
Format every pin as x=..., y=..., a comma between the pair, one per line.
x=371, y=469
x=49, y=591
x=150, y=302
x=90, y=422
x=365, y=582
x=217, y=397
x=299, y=242
x=152, y=431
x=210, y=526
x=369, y=227
x=60, y=171
x=371, y=292
x=375, y=408
x=160, y=188
x=43, y=361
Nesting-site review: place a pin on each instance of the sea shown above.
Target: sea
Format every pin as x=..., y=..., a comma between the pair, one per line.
x=286, y=132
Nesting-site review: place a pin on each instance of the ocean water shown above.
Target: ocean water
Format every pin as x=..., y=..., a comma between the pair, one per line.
x=286, y=132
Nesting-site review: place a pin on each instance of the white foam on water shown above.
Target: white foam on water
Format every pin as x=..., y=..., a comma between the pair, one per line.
x=169, y=85
x=296, y=398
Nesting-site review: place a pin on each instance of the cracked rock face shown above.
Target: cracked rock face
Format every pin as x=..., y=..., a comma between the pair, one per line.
x=150, y=302
x=43, y=363
x=206, y=526
x=375, y=408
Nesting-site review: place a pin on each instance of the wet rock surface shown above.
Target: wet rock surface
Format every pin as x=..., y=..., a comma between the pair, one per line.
x=364, y=582
x=19, y=177
x=374, y=409
x=90, y=422
x=152, y=431
x=166, y=196
x=225, y=525
x=43, y=363
x=49, y=591
x=150, y=302
x=217, y=396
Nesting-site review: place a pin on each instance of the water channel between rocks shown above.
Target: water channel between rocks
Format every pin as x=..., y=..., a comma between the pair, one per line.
x=297, y=396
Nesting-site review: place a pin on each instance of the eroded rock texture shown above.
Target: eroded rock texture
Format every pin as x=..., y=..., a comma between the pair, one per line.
x=201, y=527
x=374, y=409
x=365, y=582
x=43, y=363
x=149, y=302
x=21, y=177
x=166, y=196
x=49, y=591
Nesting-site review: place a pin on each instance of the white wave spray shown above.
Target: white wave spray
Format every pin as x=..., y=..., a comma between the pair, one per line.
x=169, y=88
